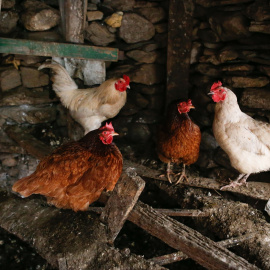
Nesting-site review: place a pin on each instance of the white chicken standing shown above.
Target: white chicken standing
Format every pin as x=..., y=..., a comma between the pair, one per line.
x=244, y=139
x=90, y=106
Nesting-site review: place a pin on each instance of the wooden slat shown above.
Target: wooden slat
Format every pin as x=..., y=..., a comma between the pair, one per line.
x=179, y=48
x=198, y=247
x=54, y=49
x=180, y=256
x=122, y=200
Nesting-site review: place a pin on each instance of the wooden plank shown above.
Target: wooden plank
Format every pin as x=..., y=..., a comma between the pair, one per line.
x=167, y=212
x=121, y=202
x=55, y=49
x=180, y=28
x=28, y=142
x=255, y=190
x=180, y=256
x=198, y=247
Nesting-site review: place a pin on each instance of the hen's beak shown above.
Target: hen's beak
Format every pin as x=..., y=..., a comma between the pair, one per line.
x=115, y=134
x=210, y=93
x=128, y=86
x=192, y=107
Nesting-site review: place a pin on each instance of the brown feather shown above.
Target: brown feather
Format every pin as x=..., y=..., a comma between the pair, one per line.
x=75, y=174
x=178, y=138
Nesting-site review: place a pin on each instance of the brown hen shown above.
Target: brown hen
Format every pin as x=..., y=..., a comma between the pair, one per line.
x=178, y=138
x=75, y=174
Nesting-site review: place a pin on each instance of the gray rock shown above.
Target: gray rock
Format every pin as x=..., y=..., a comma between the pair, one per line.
x=259, y=11
x=207, y=3
x=207, y=69
x=138, y=99
x=138, y=133
x=23, y=95
x=149, y=90
x=123, y=5
x=260, y=27
x=94, y=15
x=221, y=158
x=212, y=59
x=227, y=54
x=7, y=4
x=8, y=21
x=229, y=26
x=208, y=141
x=9, y=162
x=256, y=98
x=161, y=28
x=156, y=102
x=147, y=117
x=148, y=74
x=196, y=51
x=135, y=28
x=39, y=16
x=246, y=82
x=32, y=78
x=28, y=114
x=208, y=35
x=265, y=70
x=152, y=14
x=99, y=34
x=10, y=79
x=143, y=57
x=238, y=69
x=129, y=109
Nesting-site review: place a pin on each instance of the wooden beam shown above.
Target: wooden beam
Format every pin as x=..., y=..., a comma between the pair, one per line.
x=180, y=256
x=54, y=49
x=198, y=247
x=180, y=27
x=122, y=200
x=255, y=190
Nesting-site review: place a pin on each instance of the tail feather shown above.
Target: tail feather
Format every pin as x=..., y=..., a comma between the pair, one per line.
x=61, y=79
x=24, y=186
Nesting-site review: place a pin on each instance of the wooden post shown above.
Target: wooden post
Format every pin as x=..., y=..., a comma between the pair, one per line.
x=122, y=200
x=73, y=17
x=179, y=48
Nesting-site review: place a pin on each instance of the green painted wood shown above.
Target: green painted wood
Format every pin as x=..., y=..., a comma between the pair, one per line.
x=40, y=48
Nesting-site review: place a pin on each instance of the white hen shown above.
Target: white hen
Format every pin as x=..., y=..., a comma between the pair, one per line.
x=91, y=106
x=244, y=139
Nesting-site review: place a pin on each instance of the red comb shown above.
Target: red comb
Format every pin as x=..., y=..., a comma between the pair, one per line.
x=107, y=126
x=126, y=78
x=216, y=85
x=189, y=103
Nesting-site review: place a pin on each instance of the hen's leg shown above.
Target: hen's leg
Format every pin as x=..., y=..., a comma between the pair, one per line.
x=169, y=171
x=241, y=180
x=182, y=175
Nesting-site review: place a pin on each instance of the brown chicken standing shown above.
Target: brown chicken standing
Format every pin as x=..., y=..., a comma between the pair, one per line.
x=75, y=174
x=178, y=138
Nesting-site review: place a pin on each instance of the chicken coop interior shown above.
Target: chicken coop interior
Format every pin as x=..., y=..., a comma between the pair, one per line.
x=186, y=86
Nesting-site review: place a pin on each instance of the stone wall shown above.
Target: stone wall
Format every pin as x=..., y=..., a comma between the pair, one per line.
x=230, y=43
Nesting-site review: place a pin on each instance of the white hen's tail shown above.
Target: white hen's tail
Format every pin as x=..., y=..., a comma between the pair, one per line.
x=62, y=82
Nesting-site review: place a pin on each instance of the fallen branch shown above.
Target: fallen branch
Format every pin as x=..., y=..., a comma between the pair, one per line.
x=255, y=190
x=180, y=256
